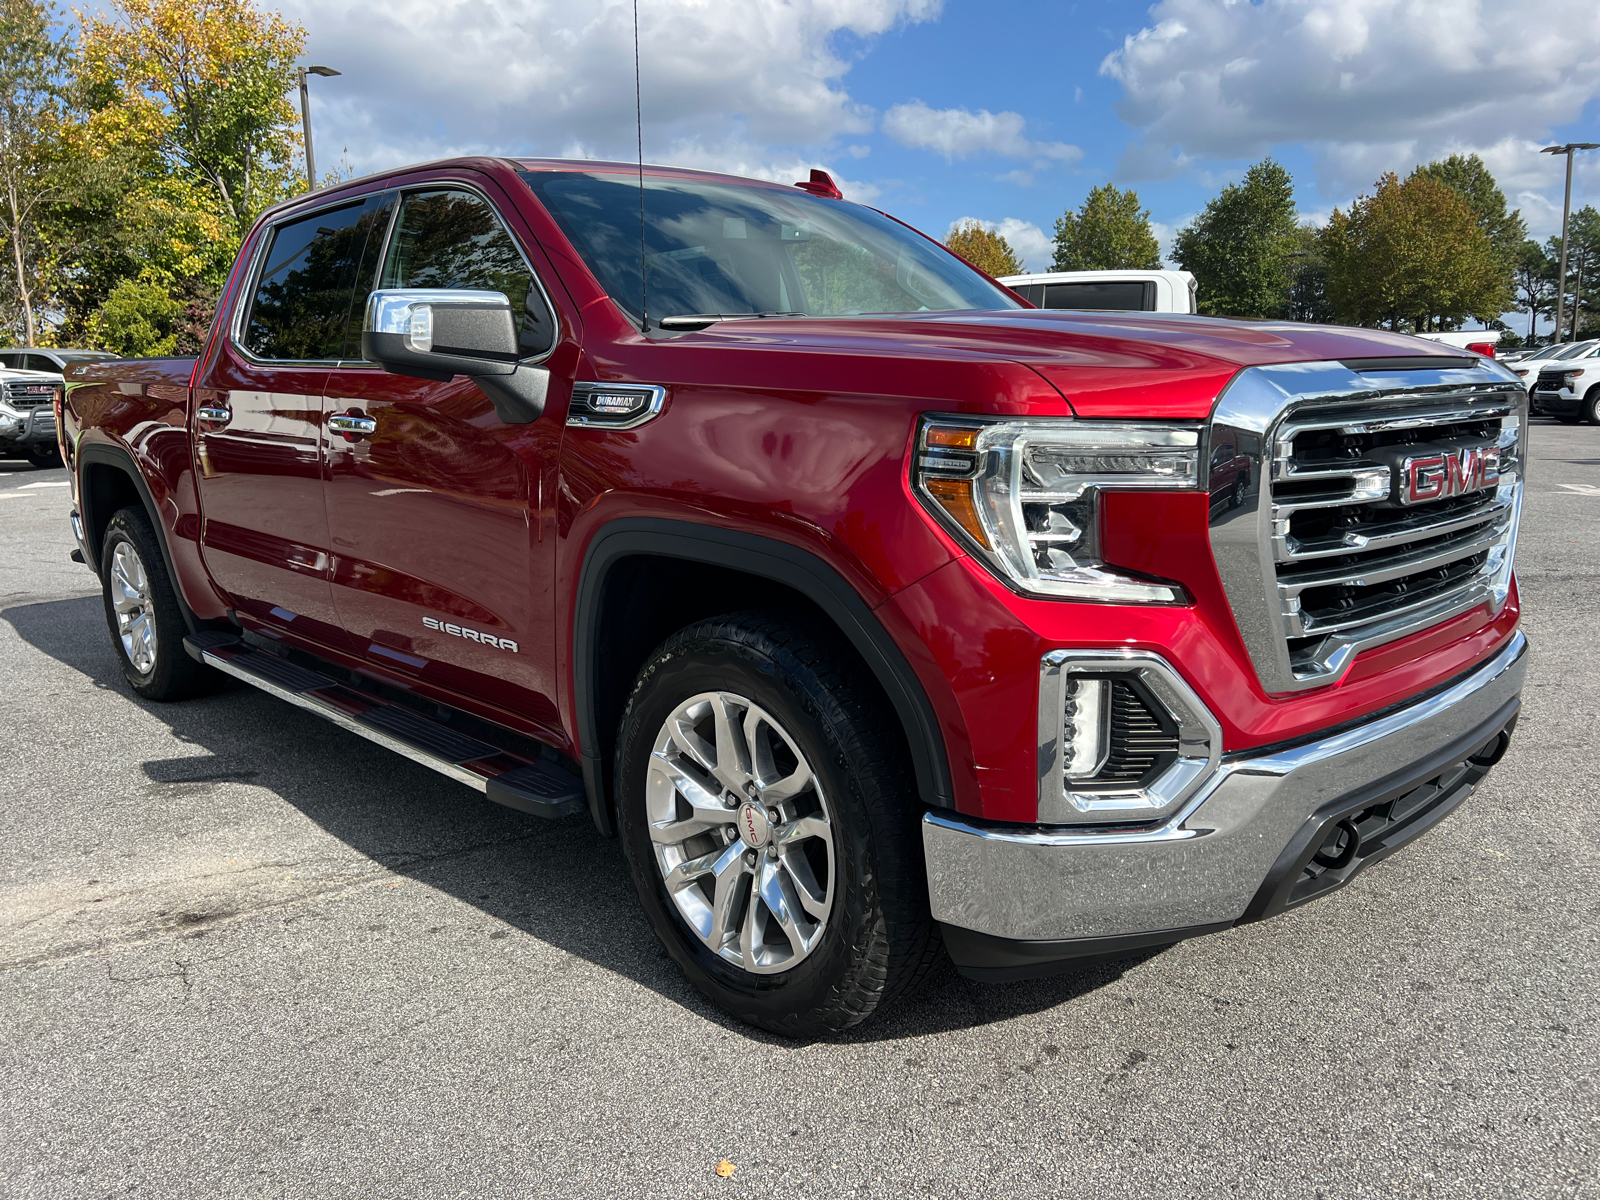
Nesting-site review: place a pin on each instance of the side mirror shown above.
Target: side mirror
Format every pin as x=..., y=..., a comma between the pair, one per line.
x=439, y=333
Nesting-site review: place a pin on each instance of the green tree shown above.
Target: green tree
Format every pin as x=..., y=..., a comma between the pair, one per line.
x=138, y=320
x=202, y=85
x=1110, y=232
x=34, y=66
x=1534, y=283
x=1506, y=230
x=1308, y=280
x=1471, y=180
x=1411, y=255
x=984, y=249
x=1239, y=248
x=1583, y=267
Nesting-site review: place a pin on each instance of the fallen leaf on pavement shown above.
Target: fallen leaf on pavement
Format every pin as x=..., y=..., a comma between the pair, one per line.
x=726, y=1169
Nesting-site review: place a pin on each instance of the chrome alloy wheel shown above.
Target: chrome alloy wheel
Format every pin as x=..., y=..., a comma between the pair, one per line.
x=741, y=832
x=130, y=597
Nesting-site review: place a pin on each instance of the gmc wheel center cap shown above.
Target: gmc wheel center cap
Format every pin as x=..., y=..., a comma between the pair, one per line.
x=754, y=828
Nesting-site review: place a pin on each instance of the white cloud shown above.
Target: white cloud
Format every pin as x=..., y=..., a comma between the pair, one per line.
x=960, y=133
x=424, y=78
x=1371, y=85
x=1032, y=244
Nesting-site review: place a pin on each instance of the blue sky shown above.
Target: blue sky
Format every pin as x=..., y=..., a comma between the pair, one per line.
x=1007, y=112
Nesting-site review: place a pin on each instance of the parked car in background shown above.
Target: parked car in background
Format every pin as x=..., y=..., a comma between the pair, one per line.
x=1108, y=291
x=28, y=416
x=1229, y=478
x=44, y=358
x=1525, y=364
x=1568, y=386
x=1479, y=341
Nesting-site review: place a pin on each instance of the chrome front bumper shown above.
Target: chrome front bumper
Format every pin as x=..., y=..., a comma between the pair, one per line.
x=27, y=427
x=1214, y=862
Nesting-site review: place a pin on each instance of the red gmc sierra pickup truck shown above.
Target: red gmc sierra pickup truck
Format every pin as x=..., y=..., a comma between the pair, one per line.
x=879, y=614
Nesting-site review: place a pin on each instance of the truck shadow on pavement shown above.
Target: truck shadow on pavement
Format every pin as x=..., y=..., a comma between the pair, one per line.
x=560, y=882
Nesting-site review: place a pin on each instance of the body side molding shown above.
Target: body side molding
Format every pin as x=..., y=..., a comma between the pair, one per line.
x=781, y=563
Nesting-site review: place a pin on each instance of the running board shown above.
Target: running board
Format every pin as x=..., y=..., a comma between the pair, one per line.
x=540, y=788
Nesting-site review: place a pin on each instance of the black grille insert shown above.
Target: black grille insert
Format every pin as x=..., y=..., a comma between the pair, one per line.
x=1144, y=739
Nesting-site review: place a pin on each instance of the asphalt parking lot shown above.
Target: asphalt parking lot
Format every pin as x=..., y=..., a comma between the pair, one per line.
x=243, y=953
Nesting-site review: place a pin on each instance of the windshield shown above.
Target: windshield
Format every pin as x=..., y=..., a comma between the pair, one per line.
x=732, y=249
x=1578, y=350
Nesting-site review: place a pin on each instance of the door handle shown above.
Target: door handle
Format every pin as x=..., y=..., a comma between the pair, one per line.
x=214, y=415
x=353, y=424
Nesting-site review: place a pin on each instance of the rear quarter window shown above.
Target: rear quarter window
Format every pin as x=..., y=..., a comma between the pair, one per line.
x=1108, y=296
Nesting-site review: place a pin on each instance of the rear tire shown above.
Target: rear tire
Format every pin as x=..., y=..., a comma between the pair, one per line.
x=733, y=711
x=143, y=614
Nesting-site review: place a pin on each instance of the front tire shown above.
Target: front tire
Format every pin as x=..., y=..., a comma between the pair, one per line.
x=142, y=612
x=768, y=817
x=45, y=457
x=1591, y=406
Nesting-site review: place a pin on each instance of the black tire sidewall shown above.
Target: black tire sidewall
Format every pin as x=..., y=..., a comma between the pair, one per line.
x=801, y=1001
x=171, y=677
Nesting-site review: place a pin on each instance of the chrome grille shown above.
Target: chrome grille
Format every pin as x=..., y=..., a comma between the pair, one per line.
x=1389, y=505
x=30, y=394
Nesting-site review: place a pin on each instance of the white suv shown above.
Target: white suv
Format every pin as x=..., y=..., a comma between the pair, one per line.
x=1108, y=291
x=1568, y=387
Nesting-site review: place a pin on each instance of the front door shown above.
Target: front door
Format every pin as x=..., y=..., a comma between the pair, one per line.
x=259, y=427
x=441, y=565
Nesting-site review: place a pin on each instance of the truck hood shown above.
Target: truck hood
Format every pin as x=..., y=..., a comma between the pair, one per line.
x=1105, y=364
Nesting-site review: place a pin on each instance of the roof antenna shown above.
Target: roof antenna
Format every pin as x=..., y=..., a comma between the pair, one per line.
x=638, y=112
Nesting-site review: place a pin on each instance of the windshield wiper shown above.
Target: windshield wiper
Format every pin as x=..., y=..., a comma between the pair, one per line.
x=701, y=320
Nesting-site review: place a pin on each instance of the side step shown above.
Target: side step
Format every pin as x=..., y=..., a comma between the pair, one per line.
x=540, y=788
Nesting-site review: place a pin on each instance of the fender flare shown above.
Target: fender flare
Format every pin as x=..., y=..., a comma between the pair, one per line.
x=121, y=460
x=768, y=558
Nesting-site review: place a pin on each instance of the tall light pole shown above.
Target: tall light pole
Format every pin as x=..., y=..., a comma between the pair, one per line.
x=1566, y=212
x=311, y=159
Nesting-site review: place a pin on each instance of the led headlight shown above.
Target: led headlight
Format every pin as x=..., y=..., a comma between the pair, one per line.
x=1024, y=496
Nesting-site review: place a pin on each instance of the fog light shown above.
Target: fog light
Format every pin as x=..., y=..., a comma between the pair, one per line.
x=1085, y=727
x=1122, y=738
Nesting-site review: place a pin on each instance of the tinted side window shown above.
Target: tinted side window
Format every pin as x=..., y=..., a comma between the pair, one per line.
x=375, y=221
x=9, y=360
x=453, y=239
x=1110, y=296
x=40, y=362
x=302, y=301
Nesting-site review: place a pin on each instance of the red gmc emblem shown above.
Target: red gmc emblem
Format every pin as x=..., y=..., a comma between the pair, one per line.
x=1450, y=472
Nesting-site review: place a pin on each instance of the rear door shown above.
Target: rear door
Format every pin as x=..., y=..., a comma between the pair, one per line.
x=258, y=421
x=441, y=564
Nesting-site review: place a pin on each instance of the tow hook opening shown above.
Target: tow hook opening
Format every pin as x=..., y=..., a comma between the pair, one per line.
x=1337, y=844
x=1339, y=848
x=1493, y=750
